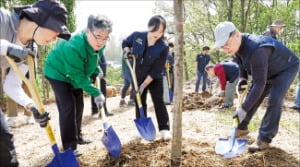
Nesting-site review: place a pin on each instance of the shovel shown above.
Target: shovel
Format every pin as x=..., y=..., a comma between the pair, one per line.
x=169, y=83
x=232, y=147
x=144, y=124
x=110, y=138
x=66, y=158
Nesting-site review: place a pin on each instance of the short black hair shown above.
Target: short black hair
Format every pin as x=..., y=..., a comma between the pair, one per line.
x=209, y=66
x=155, y=22
x=171, y=44
x=205, y=48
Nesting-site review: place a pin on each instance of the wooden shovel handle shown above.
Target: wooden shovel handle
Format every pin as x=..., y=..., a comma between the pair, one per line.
x=31, y=84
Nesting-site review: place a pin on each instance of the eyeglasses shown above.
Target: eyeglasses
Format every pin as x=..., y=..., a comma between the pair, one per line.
x=100, y=39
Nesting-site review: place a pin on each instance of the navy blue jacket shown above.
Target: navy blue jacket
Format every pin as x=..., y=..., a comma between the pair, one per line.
x=264, y=58
x=202, y=62
x=150, y=59
x=231, y=71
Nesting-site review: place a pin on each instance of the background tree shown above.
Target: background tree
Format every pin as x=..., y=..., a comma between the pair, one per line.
x=177, y=109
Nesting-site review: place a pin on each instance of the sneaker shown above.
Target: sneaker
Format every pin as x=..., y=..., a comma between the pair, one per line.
x=260, y=145
x=29, y=120
x=165, y=135
x=122, y=103
x=224, y=106
x=77, y=153
x=131, y=102
x=240, y=132
x=11, y=122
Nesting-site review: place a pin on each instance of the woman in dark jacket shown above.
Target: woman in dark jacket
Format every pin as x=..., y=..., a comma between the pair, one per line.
x=151, y=51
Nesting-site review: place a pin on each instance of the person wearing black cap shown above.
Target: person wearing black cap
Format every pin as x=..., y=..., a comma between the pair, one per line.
x=273, y=68
x=151, y=51
x=69, y=67
x=39, y=23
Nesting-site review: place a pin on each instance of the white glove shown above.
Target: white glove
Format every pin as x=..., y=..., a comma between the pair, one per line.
x=99, y=100
x=240, y=114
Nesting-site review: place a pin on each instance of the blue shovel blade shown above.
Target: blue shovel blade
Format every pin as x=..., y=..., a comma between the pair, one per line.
x=171, y=95
x=65, y=159
x=237, y=149
x=146, y=128
x=111, y=142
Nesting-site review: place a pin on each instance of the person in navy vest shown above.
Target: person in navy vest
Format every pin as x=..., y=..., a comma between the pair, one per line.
x=151, y=51
x=202, y=60
x=272, y=66
x=228, y=74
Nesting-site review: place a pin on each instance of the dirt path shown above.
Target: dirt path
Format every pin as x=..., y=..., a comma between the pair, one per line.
x=201, y=129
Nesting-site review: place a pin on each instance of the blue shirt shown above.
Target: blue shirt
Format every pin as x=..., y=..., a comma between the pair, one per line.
x=202, y=61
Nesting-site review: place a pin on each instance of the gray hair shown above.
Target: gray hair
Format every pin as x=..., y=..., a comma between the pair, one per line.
x=99, y=22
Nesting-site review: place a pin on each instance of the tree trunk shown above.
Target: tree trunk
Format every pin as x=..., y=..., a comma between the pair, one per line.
x=230, y=8
x=243, y=16
x=177, y=109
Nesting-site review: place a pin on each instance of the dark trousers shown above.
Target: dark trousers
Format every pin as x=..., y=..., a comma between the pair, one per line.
x=156, y=91
x=69, y=102
x=276, y=90
x=8, y=157
x=103, y=90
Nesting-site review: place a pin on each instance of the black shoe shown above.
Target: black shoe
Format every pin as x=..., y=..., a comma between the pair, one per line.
x=82, y=141
x=94, y=111
x=295, y=108
x=108, y=113
x=77, y=153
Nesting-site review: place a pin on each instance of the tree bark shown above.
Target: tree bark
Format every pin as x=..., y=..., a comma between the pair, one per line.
x=230, y=8
x=177, y=109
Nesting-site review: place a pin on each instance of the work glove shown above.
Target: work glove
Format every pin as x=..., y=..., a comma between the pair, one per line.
x=242, y=85
x=240, y=114
x=128, y=54
x=221, y=94
x=18, y=53
x=141, y=88
x=99, y=100
x=42, y=119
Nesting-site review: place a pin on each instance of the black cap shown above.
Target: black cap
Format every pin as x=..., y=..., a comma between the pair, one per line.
x=48, y=14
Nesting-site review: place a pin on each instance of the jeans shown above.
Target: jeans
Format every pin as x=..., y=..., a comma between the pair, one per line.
x=200, y=75
x=230, y=92
x=276, y=90
x=127, y=82
x=297, y=100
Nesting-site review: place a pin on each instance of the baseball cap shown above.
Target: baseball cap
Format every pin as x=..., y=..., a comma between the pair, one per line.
x=47, y=14
x=222, y=32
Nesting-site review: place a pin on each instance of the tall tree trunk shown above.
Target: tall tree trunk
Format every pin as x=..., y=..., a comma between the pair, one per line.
x=177, y=109
x=230, y=8
x=243, y=16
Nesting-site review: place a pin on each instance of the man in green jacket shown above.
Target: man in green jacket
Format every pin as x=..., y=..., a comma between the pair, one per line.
x=68, y=68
